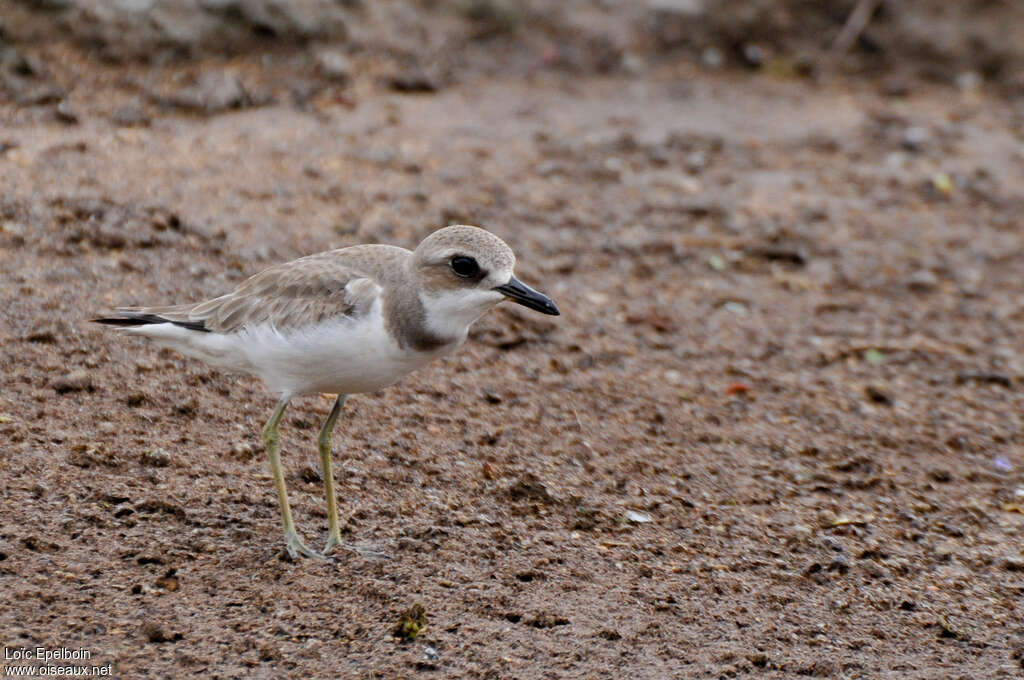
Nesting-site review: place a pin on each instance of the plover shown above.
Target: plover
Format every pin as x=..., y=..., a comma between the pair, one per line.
x=341, y=322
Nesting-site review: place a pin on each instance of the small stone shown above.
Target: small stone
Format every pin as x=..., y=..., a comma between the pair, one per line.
x=156, y=458
x=632, y=63
x=47, y=333
x=969, y=81
x=915, y=138
x=213, y=92
x=638, y=517
x=413, y=80
x=696, y=161
x=529, y=487
x=941, y=185
x=169, y=581
x=878, y=395
x=144, y=365
x=154, y=632
x=129, y=116
x=712, y=57
x=66, y=114
x=753, y=55
x=922, y=281
x=673, y=377
x=75, y=381
x=334, y=65
x=759, y=659
x=839, y=564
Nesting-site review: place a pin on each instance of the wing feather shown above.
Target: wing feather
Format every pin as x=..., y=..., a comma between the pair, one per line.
x=289, y=296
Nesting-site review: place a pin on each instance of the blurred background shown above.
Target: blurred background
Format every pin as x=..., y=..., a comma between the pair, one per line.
x=430, y=44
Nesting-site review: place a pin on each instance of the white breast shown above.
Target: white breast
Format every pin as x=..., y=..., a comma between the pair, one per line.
x=343, y=357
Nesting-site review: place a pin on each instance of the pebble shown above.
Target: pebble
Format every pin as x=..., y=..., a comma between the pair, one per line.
x=243, y=450
x=878, y=394
x=129, y=116
x=413, y=80
x=712, y=57
x=66, y=114
x=156, y=458
x=946, y=549
x=969, y=81
x=673, y=377
x=638, y=517
x=154, y=632
x=334, y=65
x=75, y=381
x=923, y=281
x=214, y=91
x=633, y=64
x=696, y=161
x=753, y=55
x=915, y=138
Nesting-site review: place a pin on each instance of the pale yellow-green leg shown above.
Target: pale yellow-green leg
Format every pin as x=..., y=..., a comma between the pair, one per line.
x=292, y=542
x=324, y=444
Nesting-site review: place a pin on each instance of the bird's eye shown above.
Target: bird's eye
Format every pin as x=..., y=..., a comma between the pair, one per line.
x=465, y=267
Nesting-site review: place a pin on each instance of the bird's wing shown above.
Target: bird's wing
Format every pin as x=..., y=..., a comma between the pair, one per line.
x=288, y=296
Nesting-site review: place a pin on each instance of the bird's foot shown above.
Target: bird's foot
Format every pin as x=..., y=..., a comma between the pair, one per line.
x=334, y=540
x=295, y=547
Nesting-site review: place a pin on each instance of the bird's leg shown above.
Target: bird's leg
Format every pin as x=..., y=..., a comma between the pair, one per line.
x=292, y=542
x=324, y=444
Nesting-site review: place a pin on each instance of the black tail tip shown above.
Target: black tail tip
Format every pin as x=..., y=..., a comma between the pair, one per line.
x=117, y=321
x=131, y=320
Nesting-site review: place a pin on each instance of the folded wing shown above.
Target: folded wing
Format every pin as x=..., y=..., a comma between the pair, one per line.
x=289, y=296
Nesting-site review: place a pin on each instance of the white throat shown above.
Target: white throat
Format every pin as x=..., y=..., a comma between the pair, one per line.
x=451, y=313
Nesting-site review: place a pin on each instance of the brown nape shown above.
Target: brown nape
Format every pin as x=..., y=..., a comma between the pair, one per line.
x=405, y=319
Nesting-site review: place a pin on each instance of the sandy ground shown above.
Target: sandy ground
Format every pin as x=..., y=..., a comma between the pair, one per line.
x=777, y=431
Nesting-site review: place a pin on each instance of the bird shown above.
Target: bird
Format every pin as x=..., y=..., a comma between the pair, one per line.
x=345, y=321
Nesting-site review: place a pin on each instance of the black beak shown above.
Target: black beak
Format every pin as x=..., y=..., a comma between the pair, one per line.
x=517, y=291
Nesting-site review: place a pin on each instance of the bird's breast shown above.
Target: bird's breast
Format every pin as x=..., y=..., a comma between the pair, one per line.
x=346, y=356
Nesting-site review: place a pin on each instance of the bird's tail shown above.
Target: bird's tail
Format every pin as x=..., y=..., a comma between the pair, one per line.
x=127, y=319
